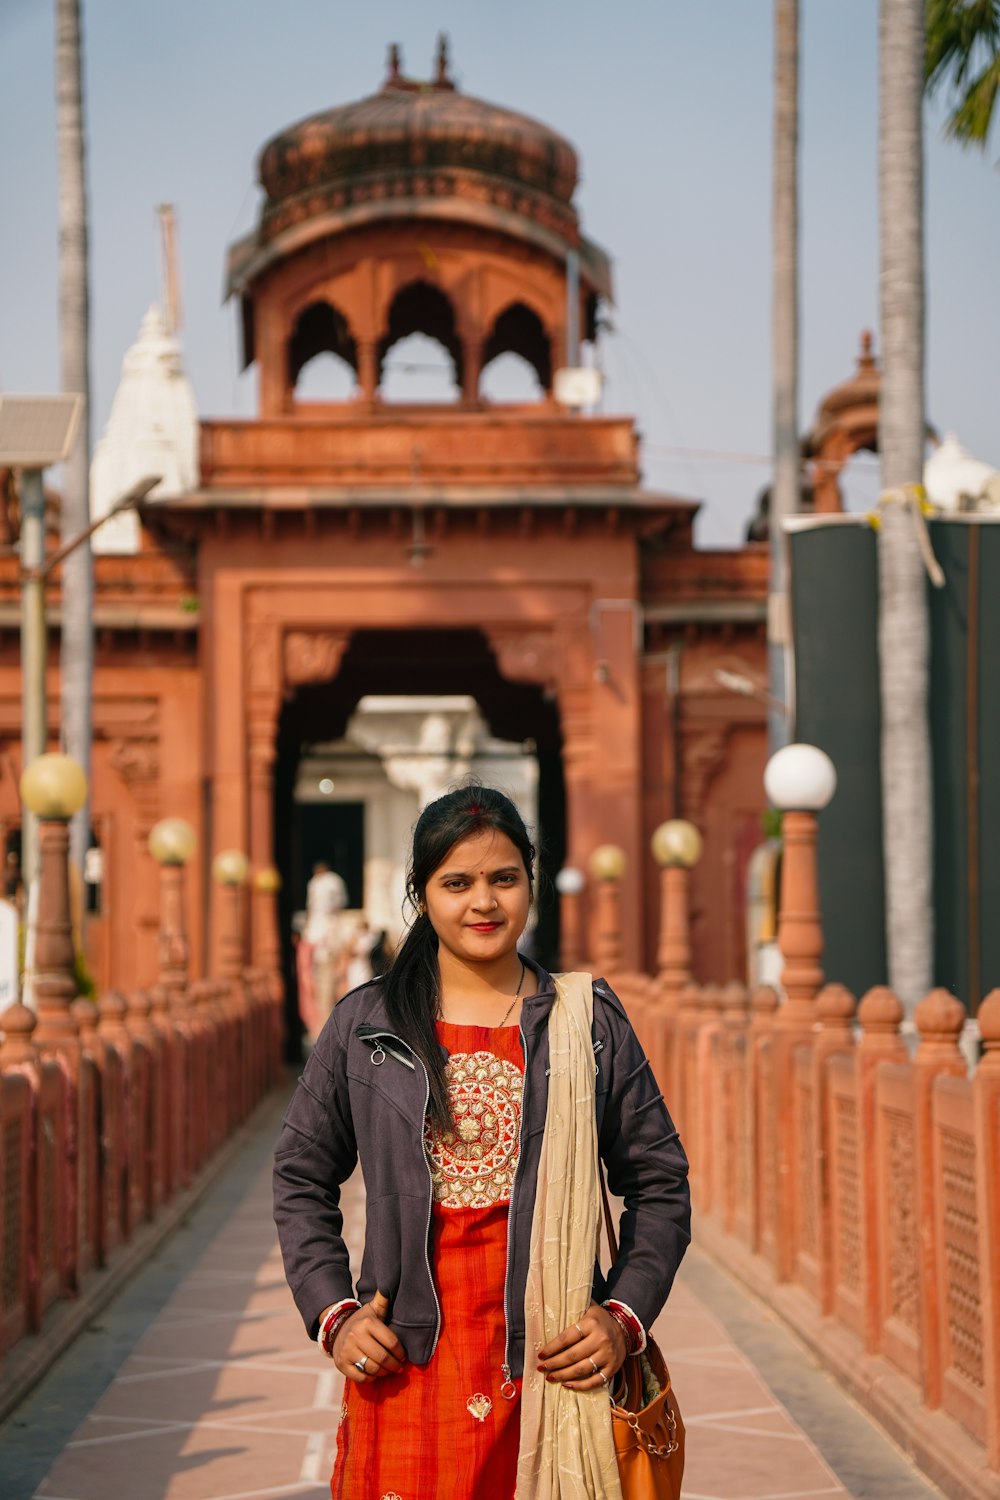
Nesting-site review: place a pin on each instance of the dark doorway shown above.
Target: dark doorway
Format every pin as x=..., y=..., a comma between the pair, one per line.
x=331, y=832
x=422, y=662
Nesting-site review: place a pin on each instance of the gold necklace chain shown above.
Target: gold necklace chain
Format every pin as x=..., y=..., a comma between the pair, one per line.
x=517, y=996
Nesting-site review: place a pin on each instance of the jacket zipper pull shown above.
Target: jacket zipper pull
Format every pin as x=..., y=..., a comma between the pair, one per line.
x=508, y=1390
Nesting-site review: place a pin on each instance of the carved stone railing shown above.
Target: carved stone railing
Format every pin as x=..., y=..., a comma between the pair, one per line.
x=885, y=1253
x=854, y=1187
x=92, y=1150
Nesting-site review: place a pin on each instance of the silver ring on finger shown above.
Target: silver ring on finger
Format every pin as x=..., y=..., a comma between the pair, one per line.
x=359, y=1364
x=597, y=1368
x=603, y=1377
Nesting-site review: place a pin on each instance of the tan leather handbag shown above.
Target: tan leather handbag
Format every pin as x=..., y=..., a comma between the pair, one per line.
x=645, y=1418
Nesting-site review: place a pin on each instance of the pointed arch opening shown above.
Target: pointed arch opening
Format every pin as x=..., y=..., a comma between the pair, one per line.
x=322, y=355
x=426, y=353
x=517, y=349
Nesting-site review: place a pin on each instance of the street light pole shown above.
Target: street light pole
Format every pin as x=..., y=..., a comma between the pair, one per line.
x=34, y=649
x=35, y=569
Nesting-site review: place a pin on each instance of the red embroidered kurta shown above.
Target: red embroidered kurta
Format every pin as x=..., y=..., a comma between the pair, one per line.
x=444, y=1428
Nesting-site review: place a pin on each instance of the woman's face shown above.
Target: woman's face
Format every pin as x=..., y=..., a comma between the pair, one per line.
x=479, y=897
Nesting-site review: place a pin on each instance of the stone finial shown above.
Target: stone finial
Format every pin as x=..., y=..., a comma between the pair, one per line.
x=137, y=1019
x=988, y=1017
x=159, y=1001
x=835, y=1006
x=880, y=1012
x=866, y=359
x=735, y=1003
x=112, y=1010
x=395, y=65
x=940, y=1018
x=691, y=998
x=442, y=75
x=764, y=1002
x=17, y=1023
x=84, y=1013
x=711, y=1000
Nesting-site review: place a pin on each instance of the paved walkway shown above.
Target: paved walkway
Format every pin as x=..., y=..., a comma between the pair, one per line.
x=198, y=1384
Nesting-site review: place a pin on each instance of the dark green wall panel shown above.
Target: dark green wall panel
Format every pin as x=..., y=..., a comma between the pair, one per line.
x=834, y=590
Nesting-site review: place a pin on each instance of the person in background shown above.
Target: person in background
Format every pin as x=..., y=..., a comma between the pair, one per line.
x=359, y=956
x=320, y=953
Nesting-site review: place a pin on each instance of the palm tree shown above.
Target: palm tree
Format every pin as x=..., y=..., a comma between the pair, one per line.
x=77, y=640
x=785, y=340
x=903, y=612
x=963, y=49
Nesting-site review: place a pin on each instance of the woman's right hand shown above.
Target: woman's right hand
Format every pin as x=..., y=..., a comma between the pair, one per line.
x=365, y=1339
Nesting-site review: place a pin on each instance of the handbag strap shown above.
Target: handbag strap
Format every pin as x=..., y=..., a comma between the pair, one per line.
x=609, y=1227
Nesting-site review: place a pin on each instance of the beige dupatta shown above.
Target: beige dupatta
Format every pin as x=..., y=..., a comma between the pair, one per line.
x=566, y=1448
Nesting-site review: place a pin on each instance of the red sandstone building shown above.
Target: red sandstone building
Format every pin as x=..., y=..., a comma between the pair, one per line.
x=503, y=554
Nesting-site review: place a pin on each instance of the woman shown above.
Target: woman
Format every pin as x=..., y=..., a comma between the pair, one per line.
x=437, y=1078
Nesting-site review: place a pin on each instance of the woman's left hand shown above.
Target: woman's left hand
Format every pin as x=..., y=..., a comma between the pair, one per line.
x=586, y=1354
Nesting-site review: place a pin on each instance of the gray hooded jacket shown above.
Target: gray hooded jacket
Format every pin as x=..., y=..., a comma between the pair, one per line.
x=363, y=1094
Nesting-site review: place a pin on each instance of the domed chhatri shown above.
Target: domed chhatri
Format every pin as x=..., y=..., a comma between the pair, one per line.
x=416, y=140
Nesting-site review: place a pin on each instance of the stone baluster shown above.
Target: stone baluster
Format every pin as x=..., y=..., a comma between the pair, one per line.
x=733, y=1045
x=939, y=1019
x=836, y=1007
x=764, y=1005
x=880, y=1014
x=986, y=1109
x=17, y=1047
x=570, y=883
x=607, y=865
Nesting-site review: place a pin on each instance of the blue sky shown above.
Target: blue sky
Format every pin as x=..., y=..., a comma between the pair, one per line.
x=669, y=105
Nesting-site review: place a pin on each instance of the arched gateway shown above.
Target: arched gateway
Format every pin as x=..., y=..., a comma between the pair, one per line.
x=506, y=553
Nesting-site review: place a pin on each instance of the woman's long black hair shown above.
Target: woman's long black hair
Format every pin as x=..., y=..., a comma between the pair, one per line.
x=412, y=983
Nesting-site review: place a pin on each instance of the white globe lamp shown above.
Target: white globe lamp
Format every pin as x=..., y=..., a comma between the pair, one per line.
x=800, y=778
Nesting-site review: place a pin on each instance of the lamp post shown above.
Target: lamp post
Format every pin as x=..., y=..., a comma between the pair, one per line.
x=230, y=870
x=570, y=883
x=172, y=842
x=266, y=885
x=676, y=847
x=607, y=866
x=800, y=780
x=35, y=433
x=54, y=788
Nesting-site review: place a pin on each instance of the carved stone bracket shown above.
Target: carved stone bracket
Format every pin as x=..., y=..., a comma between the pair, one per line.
x=313, y=655
x=137, y=762
x=525, y=655
x=263, y=710
x=703, y=755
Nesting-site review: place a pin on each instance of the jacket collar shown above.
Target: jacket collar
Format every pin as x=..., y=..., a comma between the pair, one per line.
x=535, y=1007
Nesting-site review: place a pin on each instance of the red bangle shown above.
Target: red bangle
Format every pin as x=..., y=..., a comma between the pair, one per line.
x=635, y=1334
x=331, y=1325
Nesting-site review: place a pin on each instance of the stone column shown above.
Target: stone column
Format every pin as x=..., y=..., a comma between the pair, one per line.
x=265, y=946
x=367, y=371
x=55, y=982
x=472, y=369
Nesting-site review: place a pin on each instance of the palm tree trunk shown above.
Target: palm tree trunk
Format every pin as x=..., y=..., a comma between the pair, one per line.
x=903, y=612
x=77, y=640
x=785, y=347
